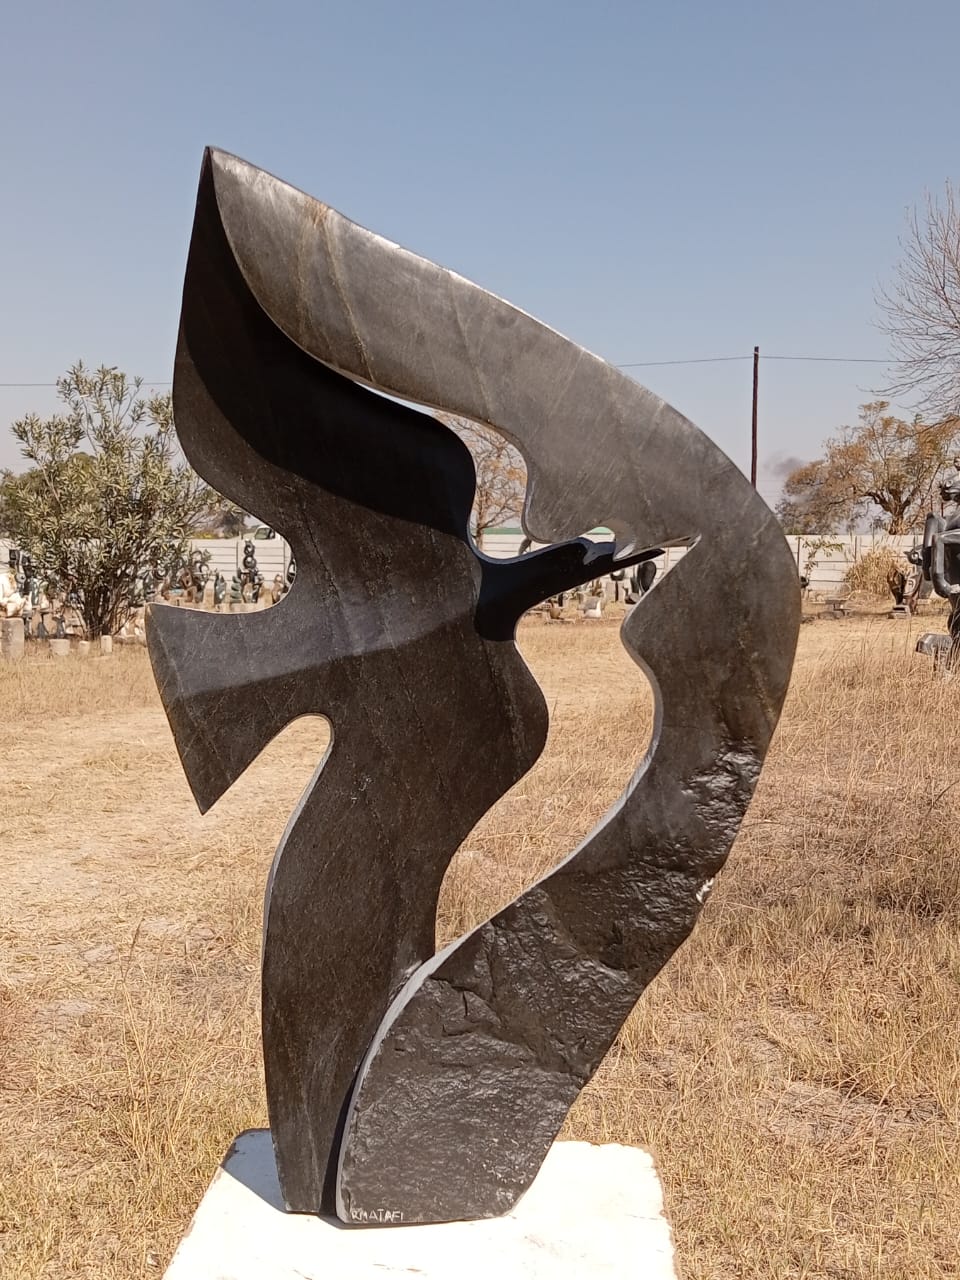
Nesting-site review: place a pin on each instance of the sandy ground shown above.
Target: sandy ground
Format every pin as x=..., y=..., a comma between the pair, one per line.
x=130, y=929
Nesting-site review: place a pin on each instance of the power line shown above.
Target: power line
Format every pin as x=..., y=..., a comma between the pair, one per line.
x=167, y=383
x=835, y=359
x=633, y=364
x=647, y=364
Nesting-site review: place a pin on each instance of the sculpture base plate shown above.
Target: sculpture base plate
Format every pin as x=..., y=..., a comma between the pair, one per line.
x=591, y=1211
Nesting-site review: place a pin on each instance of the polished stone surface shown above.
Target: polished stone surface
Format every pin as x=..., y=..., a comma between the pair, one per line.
x=400, y=634
x=592, y=1212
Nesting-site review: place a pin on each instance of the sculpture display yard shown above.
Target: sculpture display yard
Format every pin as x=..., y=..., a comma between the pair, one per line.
x=405, y=1086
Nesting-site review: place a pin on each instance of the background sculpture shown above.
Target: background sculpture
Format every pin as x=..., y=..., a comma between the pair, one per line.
x=403, y=1085
x=940, y=565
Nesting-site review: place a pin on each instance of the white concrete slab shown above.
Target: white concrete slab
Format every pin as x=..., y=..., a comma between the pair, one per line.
x=592, y=1211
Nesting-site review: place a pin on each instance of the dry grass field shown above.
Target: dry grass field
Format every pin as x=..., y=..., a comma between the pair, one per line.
x=795, y=1070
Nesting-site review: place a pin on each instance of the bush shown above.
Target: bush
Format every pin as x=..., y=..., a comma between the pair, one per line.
x=870, y=573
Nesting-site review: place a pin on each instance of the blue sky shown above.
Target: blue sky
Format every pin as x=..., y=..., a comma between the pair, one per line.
x=658, y=181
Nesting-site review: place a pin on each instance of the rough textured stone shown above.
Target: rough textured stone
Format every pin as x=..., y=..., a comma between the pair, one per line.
x=403, y=637
x=591, y=1212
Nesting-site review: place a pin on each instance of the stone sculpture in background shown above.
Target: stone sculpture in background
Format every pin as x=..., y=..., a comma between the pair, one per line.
x=406, y=1085
x=47, y=608
x=940, y=562
x=907, y=585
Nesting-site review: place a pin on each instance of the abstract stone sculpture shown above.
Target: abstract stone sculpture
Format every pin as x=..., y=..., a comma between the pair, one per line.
x=940, y=567
x=405, y=1086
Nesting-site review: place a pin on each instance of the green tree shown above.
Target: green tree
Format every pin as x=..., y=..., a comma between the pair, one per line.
x=6, y=481
x=107, y=492
x=884, y=471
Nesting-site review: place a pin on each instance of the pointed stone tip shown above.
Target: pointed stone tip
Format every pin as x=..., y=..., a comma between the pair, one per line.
x=219, y=164
x=203, y=804
x=218, y=156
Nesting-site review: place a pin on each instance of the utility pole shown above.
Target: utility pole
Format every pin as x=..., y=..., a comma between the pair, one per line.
x=753, y=429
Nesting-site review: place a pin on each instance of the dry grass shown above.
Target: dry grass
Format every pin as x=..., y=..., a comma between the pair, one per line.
x=76, y=686
x=795, y=1070
x=869, y=574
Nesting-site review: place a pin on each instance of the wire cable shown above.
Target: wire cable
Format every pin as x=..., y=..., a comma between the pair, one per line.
x=166, y=383
x=647, y=364
x=834, y=359
x=632, y=364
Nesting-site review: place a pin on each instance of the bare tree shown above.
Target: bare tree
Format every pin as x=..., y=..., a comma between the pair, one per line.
x=922, y=308
x=501, y=475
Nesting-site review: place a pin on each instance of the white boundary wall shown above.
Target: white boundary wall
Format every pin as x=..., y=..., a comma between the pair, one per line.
x=825, y=560
x=226, y=554
x=827, y=565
